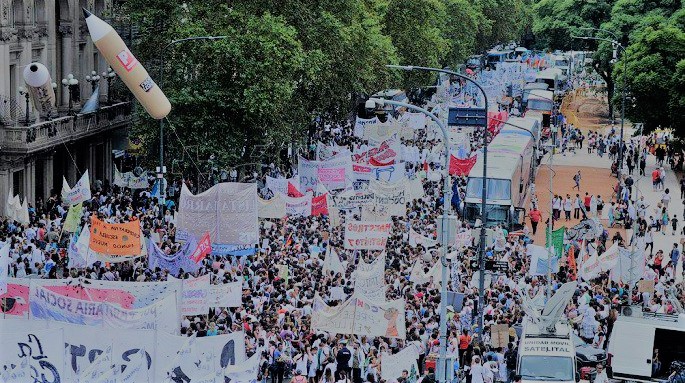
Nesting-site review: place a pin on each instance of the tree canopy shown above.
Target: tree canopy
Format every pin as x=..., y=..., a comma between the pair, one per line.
x=286, y=65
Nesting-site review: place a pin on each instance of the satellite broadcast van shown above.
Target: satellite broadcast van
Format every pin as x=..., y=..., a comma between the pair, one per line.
x=545, y=356
x=546, y=349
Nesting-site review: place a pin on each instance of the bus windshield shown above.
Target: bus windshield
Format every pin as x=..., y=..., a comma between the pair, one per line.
x=538, y=104
x=497, y=189
x=544, y=368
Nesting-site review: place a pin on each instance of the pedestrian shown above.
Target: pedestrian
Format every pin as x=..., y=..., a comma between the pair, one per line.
x=568, y=205
x=675, y=255
x=576, y=179
x=665, y=199
x=601, y=376
x=674, y=224
x=655, y=179
x=643, y=165
x=535, y=217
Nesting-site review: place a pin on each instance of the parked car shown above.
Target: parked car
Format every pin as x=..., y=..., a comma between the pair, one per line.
x=586, y=354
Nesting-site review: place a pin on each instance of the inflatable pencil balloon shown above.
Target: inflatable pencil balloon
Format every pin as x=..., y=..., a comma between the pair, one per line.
x=39, y=84
x=136, y=78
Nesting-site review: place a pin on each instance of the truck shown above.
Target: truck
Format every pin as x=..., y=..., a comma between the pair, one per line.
x=547, y=356
x=642, y=346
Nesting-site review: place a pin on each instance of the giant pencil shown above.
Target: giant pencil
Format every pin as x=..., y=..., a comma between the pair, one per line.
x=39, y=84
x=122, y=61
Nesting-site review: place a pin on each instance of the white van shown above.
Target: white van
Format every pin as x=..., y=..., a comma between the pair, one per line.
x=634, y=339
x=546, y=356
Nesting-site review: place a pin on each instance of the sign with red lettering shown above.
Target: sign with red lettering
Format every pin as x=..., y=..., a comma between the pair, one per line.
x=363, y=235
x=204, y=248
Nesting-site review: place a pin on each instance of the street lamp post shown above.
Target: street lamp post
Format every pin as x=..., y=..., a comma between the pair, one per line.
x=481, y=254
x=616, y=45
x=71, y=83
x=160, y=173
x=109, y=76
x=93, y=79
x=447, y=191
x=24, y=92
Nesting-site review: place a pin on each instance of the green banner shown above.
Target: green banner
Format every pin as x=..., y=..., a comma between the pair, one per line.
x=73, y=220
x=557, y=240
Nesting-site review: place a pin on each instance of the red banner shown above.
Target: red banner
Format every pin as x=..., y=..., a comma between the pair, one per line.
x=320, y=205
x=496, y=120
x=203, y=249
x=461, y=167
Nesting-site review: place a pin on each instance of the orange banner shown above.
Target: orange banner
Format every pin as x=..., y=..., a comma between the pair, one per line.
x=115, y=238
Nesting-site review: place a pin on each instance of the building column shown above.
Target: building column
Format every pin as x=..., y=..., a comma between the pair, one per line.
x=4, y=189
x=66, y=30
x=48, y=169
x=109, y=173
x=30, y=181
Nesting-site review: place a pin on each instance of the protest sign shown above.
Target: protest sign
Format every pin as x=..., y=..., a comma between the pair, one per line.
x=226, y=295
x=332, y=174
x=360, y=123
x=26, y=355
x=373, y=318
x=499, y=335
x=246, y=372
x=366, y=235
x=79, y=193
x=79, y=251
x=645, y=286
x=351, y=199
x=369, y=279
x=115, y=239
x=280, y=185
x=320, y=205
x=227, y=211
x=130, y=180
x=195, y=296
x=416, y=239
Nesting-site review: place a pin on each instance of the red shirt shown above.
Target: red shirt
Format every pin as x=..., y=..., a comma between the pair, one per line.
x=535, y=215
x=587, y=200
x=656, y=175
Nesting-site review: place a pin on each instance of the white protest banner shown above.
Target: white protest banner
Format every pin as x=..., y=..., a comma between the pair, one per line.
x=393, y=365
x=332, y=262
x=298, y=206
x=273, y=208
x=415, y=121
x=326, y=152
x=4, y=266
x=377, y=133
x=280, y=185
x=350, y=199
x=333, y=173
x=369, y=279
x=376, y=212
x=100, y=370
x=228, y=211
x=46, y=304
x=387, y=153
x=392, y=195
x=195, y=296
x=462, y=239
x=186, y=359
x=416, y=239
x=420, y=276
x=130, y=180
x=79, y=193
x=372, y=318
x=247, y=372
x=590, y=269
x=630, y=267
x=361, y=176
x=28, y=355
x=389, y=173
x=609, y=259
x=79, y=252
x=360, y=123
x=539, y=260
x=415, y=189
x=335, y=320
x=226, y=295
x=162, y=315
x=366, y=235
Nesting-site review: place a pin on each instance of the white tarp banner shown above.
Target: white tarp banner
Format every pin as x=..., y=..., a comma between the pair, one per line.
x=350, y=199
x=228, y=211
x=393, y=365
x=415, y=120
x=79, y=193
x=130, y=180
x=298, y=206
x=162, y=315
x=418, y=275
x=273, y=208
x=4, y=266
x=539, y=263
x=26, y=355
x=366, y=235
x=226, y=295
x=391, y=195
x=48, y=305
x=628, y=261
x=246, y=372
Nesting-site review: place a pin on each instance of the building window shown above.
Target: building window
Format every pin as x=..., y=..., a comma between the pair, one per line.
x=18, y=183
x=17, y=14
x=39, y=12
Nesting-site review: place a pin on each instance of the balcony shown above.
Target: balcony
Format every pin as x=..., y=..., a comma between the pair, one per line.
x=45, y=134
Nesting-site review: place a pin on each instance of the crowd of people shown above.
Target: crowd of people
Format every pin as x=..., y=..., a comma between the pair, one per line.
x=276, y=311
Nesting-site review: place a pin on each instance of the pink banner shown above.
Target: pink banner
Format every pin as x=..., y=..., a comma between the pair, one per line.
x=331, y=174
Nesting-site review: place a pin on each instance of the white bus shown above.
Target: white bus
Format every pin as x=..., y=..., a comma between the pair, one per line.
x=510, y=169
